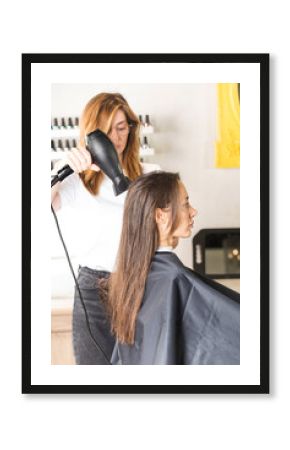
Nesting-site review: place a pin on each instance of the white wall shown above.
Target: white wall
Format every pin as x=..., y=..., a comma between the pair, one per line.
x=184, y=117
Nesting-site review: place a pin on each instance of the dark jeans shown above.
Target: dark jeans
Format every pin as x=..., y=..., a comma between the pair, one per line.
x=85, y=350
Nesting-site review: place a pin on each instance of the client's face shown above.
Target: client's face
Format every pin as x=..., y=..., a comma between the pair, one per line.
x=186, y=215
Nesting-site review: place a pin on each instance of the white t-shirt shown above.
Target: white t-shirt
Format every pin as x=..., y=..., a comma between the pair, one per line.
x=96, y=221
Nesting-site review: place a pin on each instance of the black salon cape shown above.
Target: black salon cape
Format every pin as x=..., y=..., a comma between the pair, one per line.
x=184, y=319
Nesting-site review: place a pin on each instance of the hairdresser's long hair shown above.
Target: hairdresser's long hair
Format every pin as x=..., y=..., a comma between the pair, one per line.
x=139, y=241
x=99, y=113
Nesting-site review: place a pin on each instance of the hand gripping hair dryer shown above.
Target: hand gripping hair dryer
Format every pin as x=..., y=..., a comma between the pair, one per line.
x=104, y=155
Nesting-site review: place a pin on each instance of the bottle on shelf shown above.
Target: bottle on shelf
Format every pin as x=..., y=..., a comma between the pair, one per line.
x=54, y=125
x=145, y=149
x=145, y=144
x=147, y=121
x=67, y=144
x=63, y=124
x=148, y=128
x=52, y=145
x=60, y=145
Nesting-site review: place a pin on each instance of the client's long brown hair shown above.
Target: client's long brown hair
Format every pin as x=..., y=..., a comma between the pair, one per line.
x=139, y=241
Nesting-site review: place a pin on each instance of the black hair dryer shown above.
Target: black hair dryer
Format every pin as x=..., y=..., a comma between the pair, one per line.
x=104, y=155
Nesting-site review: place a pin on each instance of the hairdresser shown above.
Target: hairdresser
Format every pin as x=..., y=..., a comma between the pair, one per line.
x=90, y=191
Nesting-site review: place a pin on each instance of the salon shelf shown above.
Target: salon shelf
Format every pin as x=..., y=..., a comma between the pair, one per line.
x=144, y=131
x=55, y=155
x=64, y=133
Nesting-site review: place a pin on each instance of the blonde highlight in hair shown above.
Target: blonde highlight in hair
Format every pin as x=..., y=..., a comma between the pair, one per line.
x=99, y=113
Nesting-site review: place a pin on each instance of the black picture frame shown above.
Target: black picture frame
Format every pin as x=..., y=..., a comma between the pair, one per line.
x=260, y=59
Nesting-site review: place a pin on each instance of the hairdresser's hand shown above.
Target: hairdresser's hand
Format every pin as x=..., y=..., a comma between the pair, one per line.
x=79, y=159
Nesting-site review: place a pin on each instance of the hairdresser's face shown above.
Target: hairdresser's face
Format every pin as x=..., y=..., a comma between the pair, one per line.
x=186, y=214
x=119, y=132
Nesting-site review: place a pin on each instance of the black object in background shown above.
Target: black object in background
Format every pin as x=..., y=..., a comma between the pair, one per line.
x=216, y=252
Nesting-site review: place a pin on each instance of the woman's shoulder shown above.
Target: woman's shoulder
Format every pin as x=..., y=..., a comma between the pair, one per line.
x=168, y=265
x=149, y=167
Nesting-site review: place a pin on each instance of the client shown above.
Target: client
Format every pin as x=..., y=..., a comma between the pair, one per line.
x=161, y=311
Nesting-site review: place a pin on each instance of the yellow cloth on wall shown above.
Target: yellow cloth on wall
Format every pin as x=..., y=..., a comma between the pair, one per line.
x=227, y=146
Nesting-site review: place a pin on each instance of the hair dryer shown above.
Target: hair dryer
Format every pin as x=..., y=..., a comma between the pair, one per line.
x=104, y=155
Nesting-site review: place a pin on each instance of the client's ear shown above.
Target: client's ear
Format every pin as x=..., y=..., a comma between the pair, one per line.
x=161, y=216
x=163, y=222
